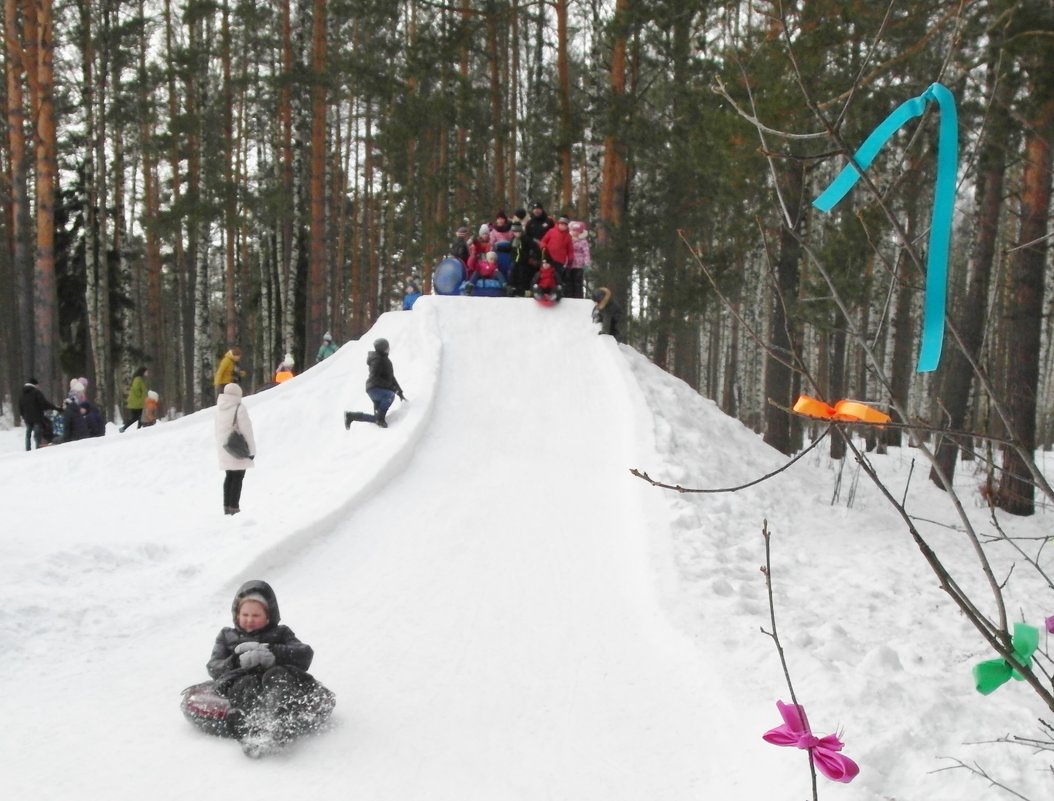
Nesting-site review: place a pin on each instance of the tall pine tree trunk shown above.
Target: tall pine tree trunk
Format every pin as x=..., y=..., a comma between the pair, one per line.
x=903, y=319
x=316, y=286
x=187, y=380
x=230, y=192
x=614, y=175
x=21, y=263
x=45, y=296
x=1024, y=324
x=778, y=383
x=151, y=210
x=497, y=120
x=564, y=92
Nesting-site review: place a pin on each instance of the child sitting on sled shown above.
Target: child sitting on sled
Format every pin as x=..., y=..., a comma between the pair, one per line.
x=260, y=667
x=545, y=286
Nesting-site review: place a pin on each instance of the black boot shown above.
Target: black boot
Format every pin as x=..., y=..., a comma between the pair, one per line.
x=361, y=417
x=380, y=418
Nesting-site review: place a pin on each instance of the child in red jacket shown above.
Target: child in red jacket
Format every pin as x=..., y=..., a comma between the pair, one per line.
x=546, y=285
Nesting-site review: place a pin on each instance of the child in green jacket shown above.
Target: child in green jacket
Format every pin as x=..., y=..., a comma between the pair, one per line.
x=136, y=398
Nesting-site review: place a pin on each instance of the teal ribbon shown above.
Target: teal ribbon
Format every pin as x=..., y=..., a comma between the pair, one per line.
x=989, y=676
x=943, y=205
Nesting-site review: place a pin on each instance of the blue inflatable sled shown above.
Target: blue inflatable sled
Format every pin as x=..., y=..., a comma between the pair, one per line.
x=447, y=276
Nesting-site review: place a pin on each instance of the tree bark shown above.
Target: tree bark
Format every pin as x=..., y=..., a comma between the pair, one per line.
x=20, y=222
x=778, y=384
x=151, y=210
x=1016, y=489
x=904, y=318
x=564, y=91
x=497, y=120
x=614, y=172
x=230, y=223
x=314, y=323
x=45, y=296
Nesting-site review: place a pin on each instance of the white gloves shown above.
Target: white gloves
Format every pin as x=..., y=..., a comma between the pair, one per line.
x=254, y=654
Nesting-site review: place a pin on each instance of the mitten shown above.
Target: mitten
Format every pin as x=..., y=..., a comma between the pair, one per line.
x=402, y=397
x=241, y=648
x=260, y=657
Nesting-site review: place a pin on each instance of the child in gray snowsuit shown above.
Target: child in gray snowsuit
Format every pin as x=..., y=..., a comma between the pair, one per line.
x=261, y=668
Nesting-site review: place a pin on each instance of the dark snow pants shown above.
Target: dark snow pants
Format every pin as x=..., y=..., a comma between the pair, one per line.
x=232, y=488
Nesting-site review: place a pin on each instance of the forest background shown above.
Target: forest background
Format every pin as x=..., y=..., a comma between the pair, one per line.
x=182, y=176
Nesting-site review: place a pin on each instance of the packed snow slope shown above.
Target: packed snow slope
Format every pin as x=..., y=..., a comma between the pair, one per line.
x=503, y=610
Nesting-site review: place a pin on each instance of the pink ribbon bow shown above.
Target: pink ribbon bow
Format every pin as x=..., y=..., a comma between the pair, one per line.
x=795, y=731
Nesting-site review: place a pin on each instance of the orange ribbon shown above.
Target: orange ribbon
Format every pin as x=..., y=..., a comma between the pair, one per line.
x=844, y=411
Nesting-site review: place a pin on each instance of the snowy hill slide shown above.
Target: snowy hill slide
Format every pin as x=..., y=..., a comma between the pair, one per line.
x=478, y=581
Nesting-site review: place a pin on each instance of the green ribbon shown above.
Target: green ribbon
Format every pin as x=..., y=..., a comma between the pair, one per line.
x=994, y=673
x=943, y=205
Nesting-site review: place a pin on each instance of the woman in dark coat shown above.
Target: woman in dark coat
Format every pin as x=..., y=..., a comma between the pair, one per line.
x=31, y=407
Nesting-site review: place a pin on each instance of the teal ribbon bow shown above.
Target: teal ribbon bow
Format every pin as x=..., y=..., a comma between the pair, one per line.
x=989, y=676
x=943, y=205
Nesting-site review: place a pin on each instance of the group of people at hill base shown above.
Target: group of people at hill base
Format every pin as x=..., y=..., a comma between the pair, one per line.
x=78, y=417
x=530, y=253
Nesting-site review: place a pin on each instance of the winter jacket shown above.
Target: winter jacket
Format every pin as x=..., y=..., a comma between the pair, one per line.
x=382, y=373
x=477, y=254
x=76, y=424
x=137, y=393
x=537, y=227
x=583, y=254
x=607, y=312
x=545, y=279
x=410, y=298
x=459, y=250
x=93, y=419
x=149, y=411
x=558, y=247
x=500, y=233
x=228, y=405
x=526, y=257
x=287, y=649
x=32, y=405
x=325, y=351
x=227, y=372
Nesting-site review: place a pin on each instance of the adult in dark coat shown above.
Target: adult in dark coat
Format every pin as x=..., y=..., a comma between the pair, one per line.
x=381, y=386
x=526, y=259
x=261, y=668
x=459, y=248
x=607, y=312
x=31, y=407
x=539, y=223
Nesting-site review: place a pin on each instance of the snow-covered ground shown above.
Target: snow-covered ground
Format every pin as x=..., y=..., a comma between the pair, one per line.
x=503, y=610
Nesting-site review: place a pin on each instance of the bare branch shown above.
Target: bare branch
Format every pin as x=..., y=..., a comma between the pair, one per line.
x=642, y=475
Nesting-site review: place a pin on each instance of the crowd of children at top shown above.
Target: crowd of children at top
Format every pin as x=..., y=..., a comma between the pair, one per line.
x=531, y=251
